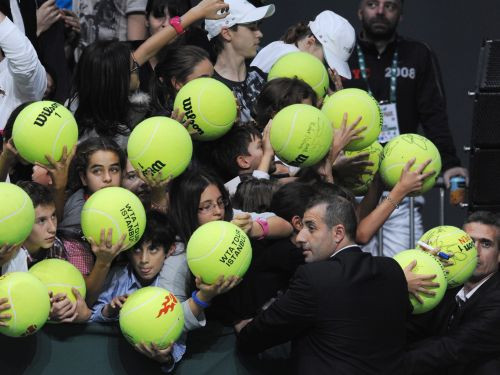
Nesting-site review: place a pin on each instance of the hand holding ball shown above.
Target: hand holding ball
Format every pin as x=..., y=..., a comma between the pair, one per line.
x=44, y=128
x=115, y=208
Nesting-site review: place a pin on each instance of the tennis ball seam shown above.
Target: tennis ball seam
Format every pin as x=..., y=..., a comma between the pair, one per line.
x=158, y=292
x=213, y=249
x=200, y=112
x=146, y=147
x=58, y=135
x=111, y=218
x=15, y=212
x=290, y=133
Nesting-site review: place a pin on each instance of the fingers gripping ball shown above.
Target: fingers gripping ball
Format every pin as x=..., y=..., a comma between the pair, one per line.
x=355, y=102
x=301, y=135
x=304, y=66
x=452, y=240
x=17, y=214
x=152, y=315
x=29, y=303
x=210, y=105
x=116, y=208
x=403, y=148
x=426, y=265
x=160, y=144
x=218, y=248
x=59, y=276
x=360, y=187
x=44, y=128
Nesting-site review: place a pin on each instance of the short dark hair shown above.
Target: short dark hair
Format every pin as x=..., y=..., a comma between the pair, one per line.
x=226, y=149
x=278, y=94
x=486, y=218
x=291, y=200
x=175, y=7
x=297, y=32
x=338, y=211
x=159, y=231
x=40, y=195
x=217, y=44
x=254, y=195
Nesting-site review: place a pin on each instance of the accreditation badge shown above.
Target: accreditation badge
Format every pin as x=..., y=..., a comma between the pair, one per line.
x=390, y=127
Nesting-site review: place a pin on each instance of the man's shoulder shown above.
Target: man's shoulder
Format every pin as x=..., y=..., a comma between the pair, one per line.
x=414, y=46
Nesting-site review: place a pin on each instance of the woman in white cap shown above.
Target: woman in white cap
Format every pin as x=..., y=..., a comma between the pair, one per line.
x=329, y=37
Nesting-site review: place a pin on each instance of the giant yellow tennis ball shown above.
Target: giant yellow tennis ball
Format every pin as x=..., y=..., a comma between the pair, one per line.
x=360, y=186
x=116, y=208
x=452, y=240
x=29, y=303
x=304, y=66
x=44, y=128
x=210, y=105
x=59, y=276
x=301, y=135
x=403, y=148
x=152, y=315
x=17, y=214
x=160, y=144
x=426, y=265
x=355, y=102
x=218, y=248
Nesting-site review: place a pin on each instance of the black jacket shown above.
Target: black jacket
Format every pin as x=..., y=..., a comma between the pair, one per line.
x=420, y=97
x=345, y=315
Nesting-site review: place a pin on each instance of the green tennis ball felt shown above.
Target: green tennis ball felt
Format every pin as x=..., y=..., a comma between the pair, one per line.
x=210, y=105
x=453, y=240
x=59, y=276
x=218, y=248
x=29, y=303
x=115, y=208
x=355, y=102
x=403, y=148
x=304, y=66
x=360, y=187
x=160, y=144
x=426, y=265
x=17, y=214
x=44, y=128
x=301, y=135
x=152, y=315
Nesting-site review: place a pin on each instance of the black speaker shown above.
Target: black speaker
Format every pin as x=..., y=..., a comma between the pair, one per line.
x=488, y=78
x=484, y=186
x=486, y=120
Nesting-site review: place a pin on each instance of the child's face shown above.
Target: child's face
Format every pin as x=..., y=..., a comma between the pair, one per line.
x=103, y=170
x=132, y=182
x=43, y=234
x=255, y=152
x=147, y=261
x=212, y=206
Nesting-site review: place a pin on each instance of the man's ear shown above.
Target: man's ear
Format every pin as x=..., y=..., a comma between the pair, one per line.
x=226, y=34
x=297, y=223
x=339, y=233
x=242, y=162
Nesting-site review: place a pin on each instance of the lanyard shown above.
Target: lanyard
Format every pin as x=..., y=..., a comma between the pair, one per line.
x=394, y=72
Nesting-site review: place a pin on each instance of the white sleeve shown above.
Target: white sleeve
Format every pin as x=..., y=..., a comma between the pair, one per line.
x=28, y=74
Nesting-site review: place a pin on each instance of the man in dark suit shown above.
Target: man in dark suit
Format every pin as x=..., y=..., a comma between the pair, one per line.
x=463, y=332
x=345, y=310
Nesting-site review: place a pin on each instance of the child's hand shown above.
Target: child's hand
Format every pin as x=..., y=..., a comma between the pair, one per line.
x=412, y=181
x=419, y=284
x=105, y=252
x=155, y=353
x=61, y=308
x=9, y=153
x=184, y=121
x=243, y=221
x=266, y=139
x=58, y=170
x=344, y=135
x=112, y=308
x=210, y=9
x=220, y=286
x=4, y=305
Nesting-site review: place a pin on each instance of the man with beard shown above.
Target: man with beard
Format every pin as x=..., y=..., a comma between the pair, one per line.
x=404, y=76
x=462, y=335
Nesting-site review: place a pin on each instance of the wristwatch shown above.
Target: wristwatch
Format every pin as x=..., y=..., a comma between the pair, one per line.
x=175, y=22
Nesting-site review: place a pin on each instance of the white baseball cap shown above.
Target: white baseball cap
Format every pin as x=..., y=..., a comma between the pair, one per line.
x=338, y=39
x=240, y=11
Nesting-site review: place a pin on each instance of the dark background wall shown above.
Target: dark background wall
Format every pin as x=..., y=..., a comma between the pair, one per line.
x=454, y=29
